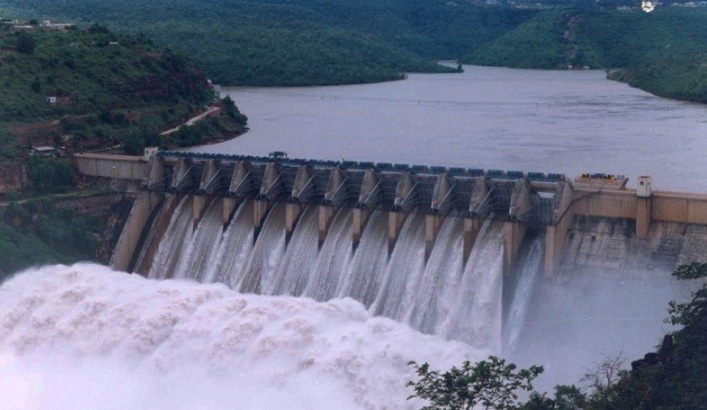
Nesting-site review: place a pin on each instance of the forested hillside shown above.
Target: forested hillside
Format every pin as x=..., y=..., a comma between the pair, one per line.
x=298, y=42
x=322, y=42
x=663, y=52
x=88, y=69
x=88, y=87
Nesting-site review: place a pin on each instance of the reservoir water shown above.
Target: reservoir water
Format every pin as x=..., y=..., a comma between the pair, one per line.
x=567, y=122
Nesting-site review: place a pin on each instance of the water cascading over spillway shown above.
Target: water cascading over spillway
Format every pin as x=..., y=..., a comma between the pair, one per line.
x=426, y=301
x=334, y=258
x=232, y=252
x=291, y=274
x=259, y=273
x=170, y=247
x=530, y=263
x=439, y=296
x=193, y=262
x=409, y=253
x=474, y=302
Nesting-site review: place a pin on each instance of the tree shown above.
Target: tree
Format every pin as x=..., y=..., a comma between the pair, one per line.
x=232, y=111
x=49, y=175
x=602, y=380
x=489, y=384
x=133, y=144
x=96, y=28
x=566, y=398
x=569, y=398
x=36, y=86
x=25, y=43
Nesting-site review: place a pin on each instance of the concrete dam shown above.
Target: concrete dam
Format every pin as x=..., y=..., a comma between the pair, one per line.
x=493, y=258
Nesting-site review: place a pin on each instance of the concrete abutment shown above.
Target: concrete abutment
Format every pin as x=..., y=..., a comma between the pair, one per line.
x=134, y=229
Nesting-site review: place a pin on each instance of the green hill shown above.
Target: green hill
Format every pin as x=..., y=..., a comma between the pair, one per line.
x=321, y=42
x=663, y=52
x=88, y=70
x=85, y=88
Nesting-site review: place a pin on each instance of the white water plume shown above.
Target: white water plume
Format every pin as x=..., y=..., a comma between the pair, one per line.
x=180, y=227
x=334, y=257
x=85, y=337
x=194, y=260
x=408, y=258
x=528, y=276
x=365, y=273
x=292, y=272
x=474, y=306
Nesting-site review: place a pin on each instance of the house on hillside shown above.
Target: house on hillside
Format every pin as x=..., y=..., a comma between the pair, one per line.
x=44, y=151
x=46, y=24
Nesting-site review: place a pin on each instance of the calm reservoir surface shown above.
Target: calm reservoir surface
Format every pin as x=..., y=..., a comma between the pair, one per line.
x=493, y=118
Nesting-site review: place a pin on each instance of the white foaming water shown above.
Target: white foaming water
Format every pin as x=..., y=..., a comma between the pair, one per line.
x=180, y=226
x=478, y=294
x=194, y=260
x=85, y=337
x=292, y=272
x=366, y=272
x=520, y=303
x=426, y=302
x=334, y=257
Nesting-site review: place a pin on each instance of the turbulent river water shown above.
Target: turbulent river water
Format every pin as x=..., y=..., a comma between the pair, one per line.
x=335, y=329
x=83, y=337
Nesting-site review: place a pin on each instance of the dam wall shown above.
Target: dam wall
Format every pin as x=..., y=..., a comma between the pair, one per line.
x=522, y=202
x=399, y=190
x=110, y=165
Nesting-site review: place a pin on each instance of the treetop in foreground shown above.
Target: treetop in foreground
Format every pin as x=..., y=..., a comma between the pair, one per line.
x=488, y=384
